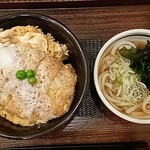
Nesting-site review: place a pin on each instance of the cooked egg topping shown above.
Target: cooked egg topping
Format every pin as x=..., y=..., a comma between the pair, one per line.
x=28, y=48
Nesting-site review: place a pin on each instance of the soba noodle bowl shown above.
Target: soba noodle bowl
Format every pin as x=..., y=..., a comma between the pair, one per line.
x=120, y=84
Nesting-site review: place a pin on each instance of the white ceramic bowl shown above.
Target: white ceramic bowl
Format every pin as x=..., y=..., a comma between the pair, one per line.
x=134, y=32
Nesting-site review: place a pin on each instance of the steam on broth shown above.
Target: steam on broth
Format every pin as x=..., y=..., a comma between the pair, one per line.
x=124, y=76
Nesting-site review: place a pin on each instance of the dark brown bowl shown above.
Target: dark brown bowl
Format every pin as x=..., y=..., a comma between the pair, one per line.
x=76, y=58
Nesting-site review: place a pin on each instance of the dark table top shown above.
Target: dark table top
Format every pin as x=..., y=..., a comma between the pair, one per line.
x=93, y=23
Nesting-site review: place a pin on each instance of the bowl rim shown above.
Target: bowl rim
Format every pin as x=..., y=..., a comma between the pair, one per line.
x=76, y=41
x=132, y=32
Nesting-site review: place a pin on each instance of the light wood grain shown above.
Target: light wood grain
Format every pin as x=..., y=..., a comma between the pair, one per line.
x=93, y=23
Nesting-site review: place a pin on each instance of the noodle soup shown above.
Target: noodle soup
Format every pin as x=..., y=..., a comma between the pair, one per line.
x=122, y=74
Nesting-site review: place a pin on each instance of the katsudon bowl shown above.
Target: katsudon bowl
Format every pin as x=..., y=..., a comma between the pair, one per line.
x=76, y=59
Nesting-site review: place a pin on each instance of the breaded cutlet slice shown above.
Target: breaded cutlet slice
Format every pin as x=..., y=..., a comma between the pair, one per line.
x=62, y=90
x=49, y=98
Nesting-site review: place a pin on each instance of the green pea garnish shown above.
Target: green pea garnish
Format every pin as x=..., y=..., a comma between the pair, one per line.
x=30, y=73
x=32, y=80
x=21, y=74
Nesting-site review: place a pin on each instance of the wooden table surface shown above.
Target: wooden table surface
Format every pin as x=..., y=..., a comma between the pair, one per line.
x=92, y=23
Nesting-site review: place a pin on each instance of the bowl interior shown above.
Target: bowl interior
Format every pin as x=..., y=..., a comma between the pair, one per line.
x=76, y=58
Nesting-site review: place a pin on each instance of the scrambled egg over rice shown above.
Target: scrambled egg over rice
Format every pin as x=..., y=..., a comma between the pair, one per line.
x=26, y=48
